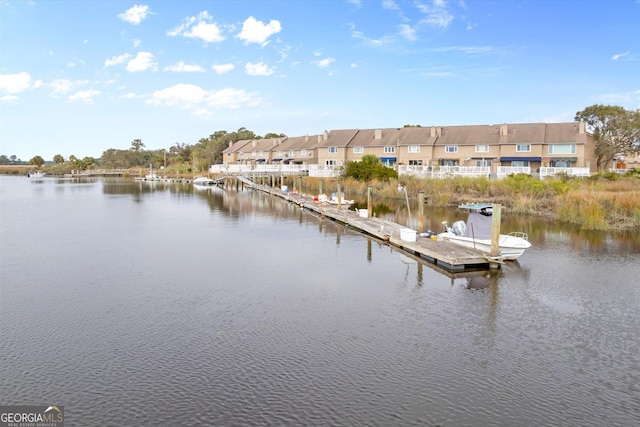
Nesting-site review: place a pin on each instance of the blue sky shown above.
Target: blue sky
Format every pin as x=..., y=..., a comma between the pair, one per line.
x=80, y=77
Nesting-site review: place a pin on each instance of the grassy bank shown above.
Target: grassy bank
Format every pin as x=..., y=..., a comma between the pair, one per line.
x=602, y=202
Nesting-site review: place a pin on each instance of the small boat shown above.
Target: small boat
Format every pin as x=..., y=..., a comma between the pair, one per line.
x=203, y=180
x=151, y=176
x=334, y=199
x=476, y=233
x=36, y=175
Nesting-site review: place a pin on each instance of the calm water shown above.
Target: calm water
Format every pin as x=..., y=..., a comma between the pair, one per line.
x=137, y=304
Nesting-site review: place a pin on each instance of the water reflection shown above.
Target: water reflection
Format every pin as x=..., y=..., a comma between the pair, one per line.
x=232, y=307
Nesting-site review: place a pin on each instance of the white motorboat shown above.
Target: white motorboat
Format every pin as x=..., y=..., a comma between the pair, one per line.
x=36, y=175
x=202, y=181
x=476, y=234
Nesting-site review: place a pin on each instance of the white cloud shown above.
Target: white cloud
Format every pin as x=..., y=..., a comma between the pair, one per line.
x=60, y=86
x=198, y=100
x=407, y=32
x=136, y=42
x=142, y=62
x=254, y=31
x=201, y=27
x=135, y=14
x=84, y=95
x=324, y=62
x=259, y=69
x=223, y=68
x=8, y=98
x=115, y=60
x=15, y=83
x=180, y=94
x=469, y=50
x=233, y=98
x=181, y=67
x=130, y=95
x=436, y=15
x=619, y=55
x=359, y=35
x=390, y=4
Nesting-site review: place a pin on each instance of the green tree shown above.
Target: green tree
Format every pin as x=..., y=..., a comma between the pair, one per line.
x=616, y=131
x=369, y=168
x=87, y=162
x=37, y=161
x=275, y=135
x=137, y=145
x=4, y=160
x=58, y=159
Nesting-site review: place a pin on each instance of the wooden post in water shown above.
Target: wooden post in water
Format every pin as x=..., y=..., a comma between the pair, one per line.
x=369, y=205
x=320, y=186
x=420, y=210
x=339, y=196
x=495, y=232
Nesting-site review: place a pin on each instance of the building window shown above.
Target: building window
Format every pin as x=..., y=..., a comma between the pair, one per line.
x=520, y=163
x=523, y=148
x=332, y=149
x=261, y=153
x=451, y=149
x=292, y=153
x=415, y=162
x=388, y=150
x=483, y=162
x=330, y=162
x=358, y=150
x=482, y=148
x=562, y=149
x=413, y=149
x=303, y=152
x=560, y=164
x=253, y=153
x=279, y=152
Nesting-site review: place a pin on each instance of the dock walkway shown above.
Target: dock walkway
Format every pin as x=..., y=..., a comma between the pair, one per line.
x=446, y=255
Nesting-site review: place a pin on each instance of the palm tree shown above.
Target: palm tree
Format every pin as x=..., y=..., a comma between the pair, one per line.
x=37, y=161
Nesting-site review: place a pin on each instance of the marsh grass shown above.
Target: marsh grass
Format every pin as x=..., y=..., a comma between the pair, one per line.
x=594, y=204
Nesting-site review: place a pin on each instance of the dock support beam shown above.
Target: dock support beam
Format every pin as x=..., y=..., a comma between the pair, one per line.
x=420, y=210
x=495, y=233
x=369, y=206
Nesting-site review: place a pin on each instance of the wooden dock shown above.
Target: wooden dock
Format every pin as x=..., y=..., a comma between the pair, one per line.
x=443, y=254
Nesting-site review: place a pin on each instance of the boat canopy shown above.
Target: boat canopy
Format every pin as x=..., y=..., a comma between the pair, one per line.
x=476, y=206
x=478, y=226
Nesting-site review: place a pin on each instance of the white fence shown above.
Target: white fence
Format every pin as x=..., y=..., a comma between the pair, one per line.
x=321, y=171
x=547, y=171
x=504, y=171
x=444, y=171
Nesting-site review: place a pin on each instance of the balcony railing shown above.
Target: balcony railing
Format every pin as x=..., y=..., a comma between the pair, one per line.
x=552, y=171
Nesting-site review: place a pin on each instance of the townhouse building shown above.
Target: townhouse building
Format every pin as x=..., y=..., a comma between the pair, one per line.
x=504, y=148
